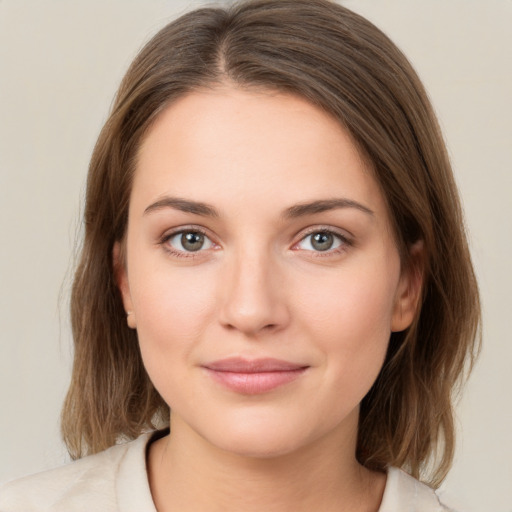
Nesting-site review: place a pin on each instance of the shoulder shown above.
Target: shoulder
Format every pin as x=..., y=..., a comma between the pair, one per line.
x=403, y=493
x=87, y=484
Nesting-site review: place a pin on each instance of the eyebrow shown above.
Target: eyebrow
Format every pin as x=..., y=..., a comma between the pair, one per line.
x=183, y=205
x=295, y=211
x=300, y=210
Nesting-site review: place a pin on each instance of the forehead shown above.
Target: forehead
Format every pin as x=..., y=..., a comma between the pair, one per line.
x=228, y=144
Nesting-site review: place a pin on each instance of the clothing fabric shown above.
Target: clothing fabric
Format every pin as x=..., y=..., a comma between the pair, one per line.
x=116, y=481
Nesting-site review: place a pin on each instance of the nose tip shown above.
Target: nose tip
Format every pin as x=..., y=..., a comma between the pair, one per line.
x=248, y=323
x=253, y=300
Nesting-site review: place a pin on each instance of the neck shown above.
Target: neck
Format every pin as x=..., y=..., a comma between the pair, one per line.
x=187, y=473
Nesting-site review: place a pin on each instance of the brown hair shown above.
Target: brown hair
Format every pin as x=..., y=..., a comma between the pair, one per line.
x=343, y=64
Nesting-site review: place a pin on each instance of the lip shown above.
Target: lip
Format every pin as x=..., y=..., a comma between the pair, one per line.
x=255, y=376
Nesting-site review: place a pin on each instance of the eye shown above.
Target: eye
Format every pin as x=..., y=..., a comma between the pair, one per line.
x=189, y=241
x=321, y=241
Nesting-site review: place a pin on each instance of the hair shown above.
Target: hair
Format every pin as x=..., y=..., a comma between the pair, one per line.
x=344, y=65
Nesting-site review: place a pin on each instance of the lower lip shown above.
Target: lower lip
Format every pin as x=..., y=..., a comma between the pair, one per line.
x=255, y=383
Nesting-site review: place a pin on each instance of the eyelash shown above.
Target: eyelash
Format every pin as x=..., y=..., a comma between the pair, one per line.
x=345, y=242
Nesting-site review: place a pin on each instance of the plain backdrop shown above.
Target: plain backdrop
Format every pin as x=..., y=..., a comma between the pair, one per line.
x=60, y=64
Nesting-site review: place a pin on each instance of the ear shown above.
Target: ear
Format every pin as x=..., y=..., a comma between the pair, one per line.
x=409, y=289
x=121, y=278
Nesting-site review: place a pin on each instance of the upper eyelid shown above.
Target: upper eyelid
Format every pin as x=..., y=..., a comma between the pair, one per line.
x=342, y=233
x=169, y=233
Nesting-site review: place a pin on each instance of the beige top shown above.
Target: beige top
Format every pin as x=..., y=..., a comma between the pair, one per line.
x=116, y=481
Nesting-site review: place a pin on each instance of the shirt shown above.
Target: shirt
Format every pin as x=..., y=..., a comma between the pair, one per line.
x=116, y=480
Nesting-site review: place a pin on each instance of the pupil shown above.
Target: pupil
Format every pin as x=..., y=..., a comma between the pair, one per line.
x=192, y=241
x=322, y=241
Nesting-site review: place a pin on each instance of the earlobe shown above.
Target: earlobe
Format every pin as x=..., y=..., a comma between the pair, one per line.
x=121, y=278
x=409, y=289
x=130, y=320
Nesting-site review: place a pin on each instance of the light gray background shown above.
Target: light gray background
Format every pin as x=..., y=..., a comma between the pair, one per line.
x=60, y=64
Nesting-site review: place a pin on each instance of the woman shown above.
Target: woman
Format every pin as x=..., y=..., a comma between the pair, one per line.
x=274, y=251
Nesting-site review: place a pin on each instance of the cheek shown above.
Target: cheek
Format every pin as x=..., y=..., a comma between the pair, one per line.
x=174, y=307
x=349, y=315
x=351, y=302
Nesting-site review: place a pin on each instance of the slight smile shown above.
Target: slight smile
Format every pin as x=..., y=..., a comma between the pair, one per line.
x=252, y=377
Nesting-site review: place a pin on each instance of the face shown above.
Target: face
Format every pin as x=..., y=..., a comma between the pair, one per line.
x=261, y=272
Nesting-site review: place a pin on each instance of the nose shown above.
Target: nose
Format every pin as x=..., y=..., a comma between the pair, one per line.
x=253, y=296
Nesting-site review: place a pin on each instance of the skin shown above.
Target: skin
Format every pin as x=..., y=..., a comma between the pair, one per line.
x=259, y=288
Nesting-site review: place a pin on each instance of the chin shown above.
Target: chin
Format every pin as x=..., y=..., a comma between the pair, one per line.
x=261, y=437
x=259, y=445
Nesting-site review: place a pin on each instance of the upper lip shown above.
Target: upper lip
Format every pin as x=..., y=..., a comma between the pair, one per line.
x=241, y=365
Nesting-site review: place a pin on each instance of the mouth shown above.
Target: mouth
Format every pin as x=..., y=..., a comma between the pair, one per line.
x=252, y=377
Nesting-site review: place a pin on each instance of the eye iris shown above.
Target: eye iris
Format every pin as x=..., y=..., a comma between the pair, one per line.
x=192, y=241
x=322, y=241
